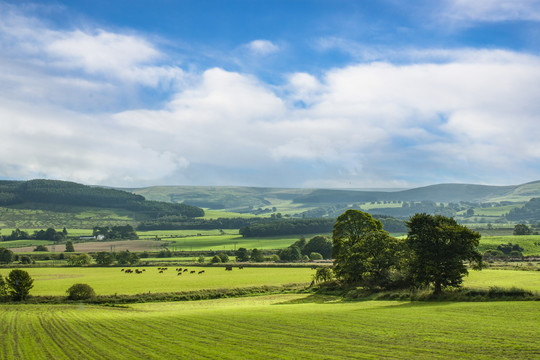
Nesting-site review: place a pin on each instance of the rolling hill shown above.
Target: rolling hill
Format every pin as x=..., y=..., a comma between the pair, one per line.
x=241, y=198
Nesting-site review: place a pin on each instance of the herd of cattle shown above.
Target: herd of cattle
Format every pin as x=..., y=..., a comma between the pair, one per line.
x=179, y=271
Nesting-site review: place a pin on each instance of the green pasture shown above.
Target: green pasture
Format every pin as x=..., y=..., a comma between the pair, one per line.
x=527, y=242
x=528, y=280
x=232, y=242
x=276, y=327
x=109, y=281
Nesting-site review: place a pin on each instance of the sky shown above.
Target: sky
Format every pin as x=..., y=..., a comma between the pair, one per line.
x=270, y=93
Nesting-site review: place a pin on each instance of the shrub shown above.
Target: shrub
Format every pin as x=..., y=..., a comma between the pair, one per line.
x=274, y=257
x=215, y=260
x=26, y=260
x=315, y=256
x=80, y=292
x=41, y=248
x=224, y=257
x=200, y=259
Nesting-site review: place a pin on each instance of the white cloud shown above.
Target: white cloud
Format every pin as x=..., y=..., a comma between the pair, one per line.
x=262, y=47
x=493, y=10
x=457, y=115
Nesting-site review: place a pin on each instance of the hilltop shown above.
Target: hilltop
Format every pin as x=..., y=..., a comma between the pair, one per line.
x=61, y=203
x=239, y=198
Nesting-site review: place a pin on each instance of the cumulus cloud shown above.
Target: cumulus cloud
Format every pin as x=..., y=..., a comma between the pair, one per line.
x=262, y=47
x=463, y=115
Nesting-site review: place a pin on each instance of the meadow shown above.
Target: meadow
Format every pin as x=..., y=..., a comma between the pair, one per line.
x=286, y=326
x=111, y=280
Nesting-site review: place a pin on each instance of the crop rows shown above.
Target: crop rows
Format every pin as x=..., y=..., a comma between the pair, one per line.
x=272, y=327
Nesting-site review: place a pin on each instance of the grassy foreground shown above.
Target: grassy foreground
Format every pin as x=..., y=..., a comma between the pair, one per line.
x=278, y=326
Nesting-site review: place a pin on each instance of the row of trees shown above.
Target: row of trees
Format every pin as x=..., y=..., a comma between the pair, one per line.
x=50, y=234
x=434, y=252
x=288, y=227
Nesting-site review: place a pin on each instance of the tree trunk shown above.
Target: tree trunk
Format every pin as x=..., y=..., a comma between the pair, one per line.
x=438, y=288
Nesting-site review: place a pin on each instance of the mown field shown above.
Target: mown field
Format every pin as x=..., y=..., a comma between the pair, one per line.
x=109, y=281
x=277, y=327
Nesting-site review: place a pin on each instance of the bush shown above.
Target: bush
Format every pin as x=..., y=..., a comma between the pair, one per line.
x=41, y=248
x=26, y=260
x=315, y=256
x=80, y=292
x=224, y=257
x=274, y=257
x=215, y=260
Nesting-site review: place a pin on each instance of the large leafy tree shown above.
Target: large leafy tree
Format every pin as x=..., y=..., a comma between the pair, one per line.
x=362, y=251
x=439, y=248
x=19, y=284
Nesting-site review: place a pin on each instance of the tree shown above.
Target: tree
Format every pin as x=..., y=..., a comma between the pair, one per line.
x=242, y=255
x=257, y=255
x=439, y=247
x=522, y=229
x=19, y=284
x=69, y=247
x=291, y=253
x=319, y=244
x=104, y=258
x=41, y=248
x=79, y=260
x=127, y=258
x=3, y=287
x=223, y=257
x=323, y=274
x=360, y=247
x=215, y=260
x=80, y=292
x=6, y=256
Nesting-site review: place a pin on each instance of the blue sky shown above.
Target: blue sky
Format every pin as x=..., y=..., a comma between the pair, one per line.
x=334, y=93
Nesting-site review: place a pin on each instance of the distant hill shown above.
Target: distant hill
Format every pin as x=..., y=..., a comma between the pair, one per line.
x=235, y=198
x=55, y=192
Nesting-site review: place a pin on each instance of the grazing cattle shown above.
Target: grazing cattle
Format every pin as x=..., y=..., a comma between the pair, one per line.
x=179, y=274
x=201, y=272
x=192, y=272
x=240, y=267
x=122, y=270
x=228, y=268
x=185, y=270
x=161, y=271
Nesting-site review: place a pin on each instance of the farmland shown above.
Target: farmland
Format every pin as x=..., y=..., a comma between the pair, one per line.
x=277, y=326
x=108, y=281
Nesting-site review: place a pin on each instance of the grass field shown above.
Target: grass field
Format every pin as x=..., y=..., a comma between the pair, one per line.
x=527, y=242
x=109, y=281
x=277, y=327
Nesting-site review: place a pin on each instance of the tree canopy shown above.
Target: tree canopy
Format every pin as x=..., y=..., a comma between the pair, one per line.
x=439, y=247
x=364, y=253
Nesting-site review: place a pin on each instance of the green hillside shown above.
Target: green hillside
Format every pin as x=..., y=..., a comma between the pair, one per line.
x=242, y=198
x=43, y=203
